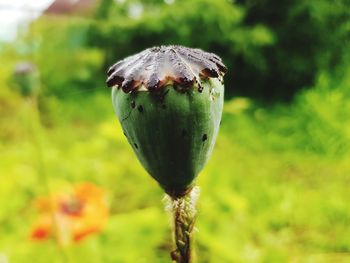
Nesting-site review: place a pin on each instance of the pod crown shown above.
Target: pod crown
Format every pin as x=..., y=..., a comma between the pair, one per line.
x=155, y=67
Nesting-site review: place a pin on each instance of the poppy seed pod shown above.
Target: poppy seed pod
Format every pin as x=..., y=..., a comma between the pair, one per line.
x=26, y=77
x=169, y=102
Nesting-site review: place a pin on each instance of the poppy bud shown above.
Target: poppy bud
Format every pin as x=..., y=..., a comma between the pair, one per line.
x=169, y=102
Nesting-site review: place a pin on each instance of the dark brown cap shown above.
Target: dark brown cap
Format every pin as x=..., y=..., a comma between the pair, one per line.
x=154, y=67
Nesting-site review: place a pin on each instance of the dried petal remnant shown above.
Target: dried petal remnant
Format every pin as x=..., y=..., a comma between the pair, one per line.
x=154, y=67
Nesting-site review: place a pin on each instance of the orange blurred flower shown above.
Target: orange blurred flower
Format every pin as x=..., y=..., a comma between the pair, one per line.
x=71, y=216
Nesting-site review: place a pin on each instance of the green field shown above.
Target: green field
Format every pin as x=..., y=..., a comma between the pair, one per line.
x=265, y=195
x=276, y=188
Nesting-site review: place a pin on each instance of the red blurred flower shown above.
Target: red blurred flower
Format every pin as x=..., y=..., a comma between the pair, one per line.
x=71, y=216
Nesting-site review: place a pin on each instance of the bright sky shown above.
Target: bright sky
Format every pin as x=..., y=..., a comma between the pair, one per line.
x=14, y=13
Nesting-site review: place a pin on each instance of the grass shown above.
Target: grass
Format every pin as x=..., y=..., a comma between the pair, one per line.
x=268, y=194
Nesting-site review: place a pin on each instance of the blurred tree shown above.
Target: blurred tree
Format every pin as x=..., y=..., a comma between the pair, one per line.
x=126, y=27
x=310, y=36
x=66, y=63
x=272, y=48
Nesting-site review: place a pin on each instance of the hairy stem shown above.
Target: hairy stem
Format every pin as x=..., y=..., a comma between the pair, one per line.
x=184, y=215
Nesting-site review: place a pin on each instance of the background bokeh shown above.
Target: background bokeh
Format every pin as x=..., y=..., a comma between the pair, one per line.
x=277, y=186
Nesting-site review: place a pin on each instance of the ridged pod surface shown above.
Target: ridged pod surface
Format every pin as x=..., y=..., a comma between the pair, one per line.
x=171, y=115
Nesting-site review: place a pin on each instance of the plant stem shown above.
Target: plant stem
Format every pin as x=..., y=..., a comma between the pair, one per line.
x=184, y=216
x=37, y=132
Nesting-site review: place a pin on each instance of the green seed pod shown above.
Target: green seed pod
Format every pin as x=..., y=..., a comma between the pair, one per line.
x=169, y=102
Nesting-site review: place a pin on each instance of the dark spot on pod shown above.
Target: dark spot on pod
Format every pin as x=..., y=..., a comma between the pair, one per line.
x=114, y=80
x=200, y=88
x=204, y=137
x=128, y=85
x=185, y=82
x=136, y=146
x=184, y=133
x=215, y=56
x=125, y=134
x=140, y=108
x=112, y=69
x=154, y=86
x=221, y=67
x=154, y=82
x=133, y=104
x=160, y=96
x=210, y=72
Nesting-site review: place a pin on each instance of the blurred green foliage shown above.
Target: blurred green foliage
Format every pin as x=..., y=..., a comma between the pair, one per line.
x=269, y=194
x=276, y=188
x=285, y=43
x=216, y=26
x=310, y=36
